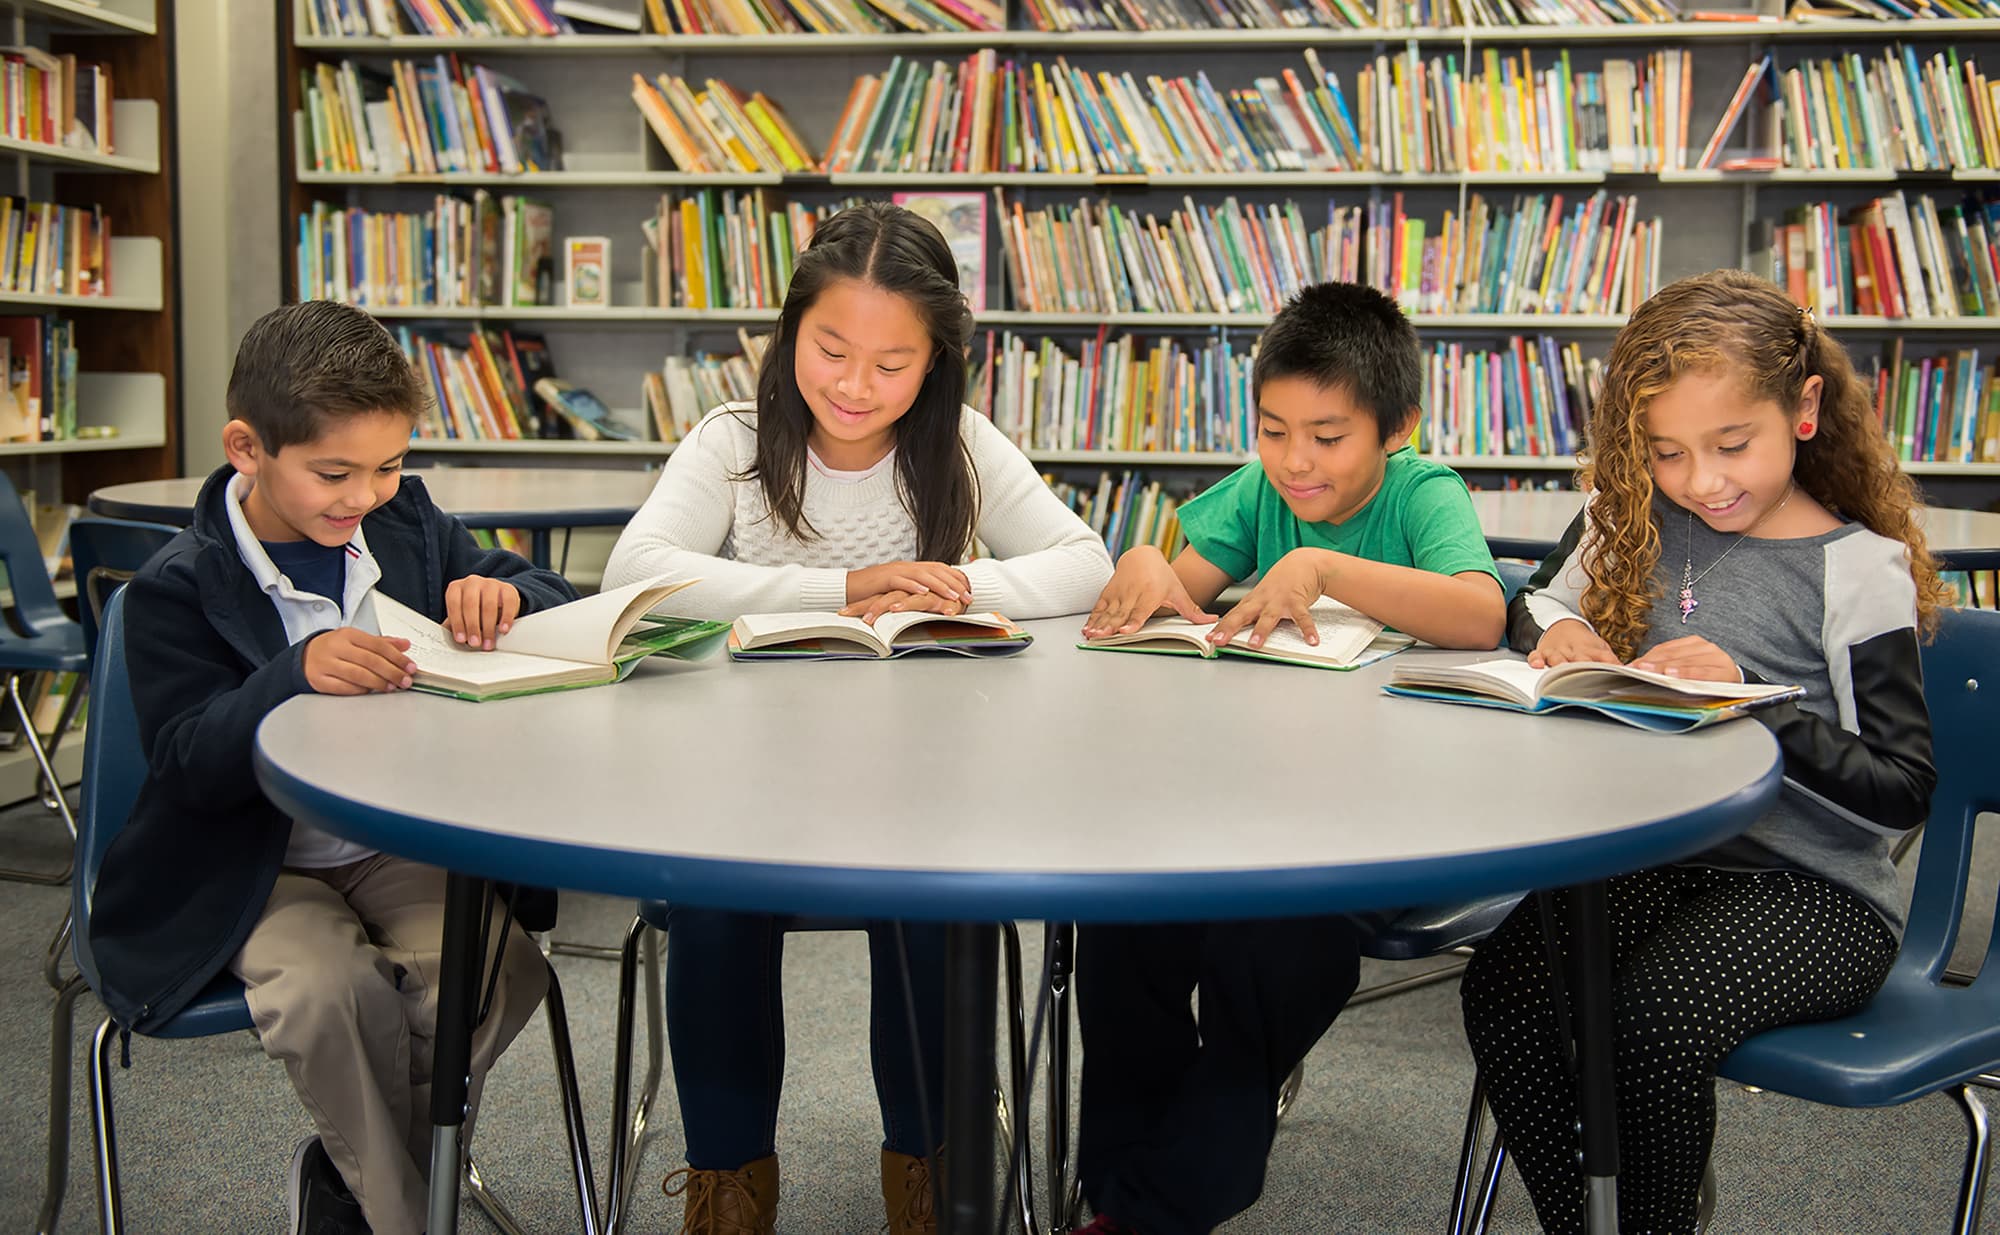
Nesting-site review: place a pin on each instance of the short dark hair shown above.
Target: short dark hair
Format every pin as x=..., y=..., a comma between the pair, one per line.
x=303, y=366
x=1350, y=337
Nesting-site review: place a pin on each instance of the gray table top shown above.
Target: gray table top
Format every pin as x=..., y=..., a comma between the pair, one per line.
x=1519, y=520
x=1055, y=784
x=481, y=496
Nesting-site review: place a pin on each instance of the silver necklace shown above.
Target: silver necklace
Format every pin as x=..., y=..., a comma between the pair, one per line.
x=1689, y=578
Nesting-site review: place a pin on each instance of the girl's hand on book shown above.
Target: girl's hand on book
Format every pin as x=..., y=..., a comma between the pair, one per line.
x=902, y=602
x=1570, y=640
x=349, y=661
x=946, y=581
x=1690, y=656
x=1143, y=584
x=1287, y=590
x=477, y=610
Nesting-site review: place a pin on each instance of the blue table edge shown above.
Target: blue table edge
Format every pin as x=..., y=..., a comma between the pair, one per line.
x=929, y=895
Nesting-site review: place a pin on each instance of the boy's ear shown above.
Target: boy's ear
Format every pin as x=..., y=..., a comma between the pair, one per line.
x=243, y=447
x=1401, y=436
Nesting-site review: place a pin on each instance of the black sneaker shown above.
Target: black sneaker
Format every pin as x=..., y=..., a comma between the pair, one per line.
x=319, y=1200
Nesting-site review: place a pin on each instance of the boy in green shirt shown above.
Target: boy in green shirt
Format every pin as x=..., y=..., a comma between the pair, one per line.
x=1178, y=1116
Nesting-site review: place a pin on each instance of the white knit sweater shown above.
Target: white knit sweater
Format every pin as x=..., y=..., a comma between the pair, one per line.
x=701, y=522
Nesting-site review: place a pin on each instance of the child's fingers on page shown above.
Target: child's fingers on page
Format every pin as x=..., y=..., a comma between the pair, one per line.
x=1302, y=618
x=489, y=615
x=375, y=670
x=1267, y=621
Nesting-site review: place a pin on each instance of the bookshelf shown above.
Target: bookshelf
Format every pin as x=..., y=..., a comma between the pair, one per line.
x=615, y=171
x=125, y=387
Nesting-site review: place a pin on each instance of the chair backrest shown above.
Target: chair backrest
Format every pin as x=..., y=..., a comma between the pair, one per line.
x=35, y=604
x=107, y=552
x=1513, y=576
x=1962, y=691
x=114, y=768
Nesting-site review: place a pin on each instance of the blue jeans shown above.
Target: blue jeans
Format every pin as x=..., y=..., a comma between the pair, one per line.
x=726, y=1030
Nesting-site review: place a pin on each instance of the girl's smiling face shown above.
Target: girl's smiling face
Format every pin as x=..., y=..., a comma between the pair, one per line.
x=860, y=360
x=1719, y=453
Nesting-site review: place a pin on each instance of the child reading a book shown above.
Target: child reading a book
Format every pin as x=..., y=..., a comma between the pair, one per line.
x=857, y=482
x=1746, y=522
x=269, y=594
x=1178, y=1121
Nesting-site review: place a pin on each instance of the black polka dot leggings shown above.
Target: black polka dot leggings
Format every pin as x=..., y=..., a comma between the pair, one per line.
x=1701, y=960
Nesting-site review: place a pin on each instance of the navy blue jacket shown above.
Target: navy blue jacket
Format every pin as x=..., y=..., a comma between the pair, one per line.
x=188, y=876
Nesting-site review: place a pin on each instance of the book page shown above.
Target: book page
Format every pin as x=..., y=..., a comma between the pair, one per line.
x=766, y=629
x=1344, y=633
x=890, y=626
x=435, y=652
x=587, y=630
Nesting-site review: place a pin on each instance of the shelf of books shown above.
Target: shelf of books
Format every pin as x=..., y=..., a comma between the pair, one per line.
x=87, y=323
x=1132, y=189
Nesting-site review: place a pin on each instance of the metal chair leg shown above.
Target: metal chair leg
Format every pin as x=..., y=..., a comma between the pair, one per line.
x=1065, y=1191
x=62, y=1025
x=1972, y=1185
x=628, y=1141
x=110, y=1203
x=1468, y=1157
x=1430, y=977
x=572, y=1107
x=493, y=1207
x=1288, y=1093
x=1490, y=1186
x=34, y=742
x=1017, y=1043
x=45, y=786
x=58, y=948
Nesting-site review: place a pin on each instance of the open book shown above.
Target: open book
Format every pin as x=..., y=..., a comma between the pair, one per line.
x=586, y=642
x=829, y=636
x=1648, y=700
x=1347, y=639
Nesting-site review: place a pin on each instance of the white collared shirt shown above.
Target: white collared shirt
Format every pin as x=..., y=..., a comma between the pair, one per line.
x=305, y=613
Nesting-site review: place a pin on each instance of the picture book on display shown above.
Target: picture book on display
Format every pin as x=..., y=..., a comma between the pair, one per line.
x=588, y=642
x=1347, y=640
x=1646, y=700
x=829, y=636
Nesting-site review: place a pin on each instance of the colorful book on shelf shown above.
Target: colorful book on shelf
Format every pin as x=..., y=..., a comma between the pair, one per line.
x=1733, y=113
x=829, y=636
x=1645, y=700
x=584, y=411
x=1348, y=639
x=588, y=642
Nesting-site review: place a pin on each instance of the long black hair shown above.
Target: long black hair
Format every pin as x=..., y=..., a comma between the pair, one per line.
x=891, y=248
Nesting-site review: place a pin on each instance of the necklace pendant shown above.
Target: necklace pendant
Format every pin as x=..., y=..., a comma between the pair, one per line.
x=1688, y=603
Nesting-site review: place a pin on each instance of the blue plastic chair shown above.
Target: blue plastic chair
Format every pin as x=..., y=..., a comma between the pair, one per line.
x=41, y=639
x=114, y=769
x=1923, y=1032
x=104, y=553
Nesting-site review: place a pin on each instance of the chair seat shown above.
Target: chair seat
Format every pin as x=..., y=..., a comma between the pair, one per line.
x=1915, y=1038
x=219, y=1008
x=1411, y=934
x=55, y=649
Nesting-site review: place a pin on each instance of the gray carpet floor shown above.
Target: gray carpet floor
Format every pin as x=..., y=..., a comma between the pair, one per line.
x=206, y=1127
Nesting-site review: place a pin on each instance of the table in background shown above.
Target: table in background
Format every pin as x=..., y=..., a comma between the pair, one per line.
x=1057, y=784
x=538, y=499
x=1529, y=522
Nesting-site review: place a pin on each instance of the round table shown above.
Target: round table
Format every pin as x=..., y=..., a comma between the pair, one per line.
x=1528, y=523
x=1057, y=784
x=536, y=498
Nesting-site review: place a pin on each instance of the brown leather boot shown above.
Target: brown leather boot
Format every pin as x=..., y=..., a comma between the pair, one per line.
x=907, y=1195
x=739, y=1202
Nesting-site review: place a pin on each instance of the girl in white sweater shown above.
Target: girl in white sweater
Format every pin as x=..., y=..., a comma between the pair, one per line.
x=858, y=481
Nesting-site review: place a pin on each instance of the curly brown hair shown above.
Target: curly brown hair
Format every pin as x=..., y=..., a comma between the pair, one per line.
x=1730, y=322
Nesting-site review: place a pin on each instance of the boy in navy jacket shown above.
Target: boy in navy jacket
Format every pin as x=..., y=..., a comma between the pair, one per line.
x=270, y=594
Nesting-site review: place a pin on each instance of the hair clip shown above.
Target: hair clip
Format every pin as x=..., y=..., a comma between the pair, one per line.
x=1806, y=316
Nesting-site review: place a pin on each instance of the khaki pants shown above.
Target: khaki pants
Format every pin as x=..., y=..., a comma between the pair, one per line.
x=341, y=975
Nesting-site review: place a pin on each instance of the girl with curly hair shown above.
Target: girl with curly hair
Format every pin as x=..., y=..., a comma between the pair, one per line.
x=1745, y=522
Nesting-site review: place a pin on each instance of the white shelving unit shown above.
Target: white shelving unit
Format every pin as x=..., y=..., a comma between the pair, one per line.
x=614, y=170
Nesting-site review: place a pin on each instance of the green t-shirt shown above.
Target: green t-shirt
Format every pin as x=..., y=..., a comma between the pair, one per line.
x=1421, y=516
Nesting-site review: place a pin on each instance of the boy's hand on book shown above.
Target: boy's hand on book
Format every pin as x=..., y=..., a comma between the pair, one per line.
x=918, y=577
x=902, y=602
x=1287, y=590
x=1143, y=584
x=1690, y=656
x=1570, y=640
x=478, y=610
x=349, y=661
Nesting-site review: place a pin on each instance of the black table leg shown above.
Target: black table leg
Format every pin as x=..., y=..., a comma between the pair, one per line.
x=539, y=542
x=972, y=969
x=1597, y=1097
x=451, y=1061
